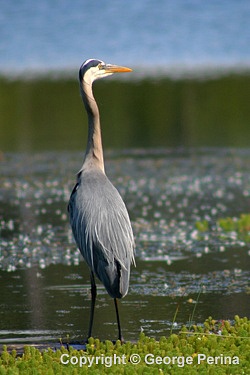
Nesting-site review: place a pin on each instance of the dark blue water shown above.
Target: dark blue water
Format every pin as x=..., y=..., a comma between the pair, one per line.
x=165, y=35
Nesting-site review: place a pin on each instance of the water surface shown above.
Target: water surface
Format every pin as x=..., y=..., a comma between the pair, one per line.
x=45, y=114
x=44, y=283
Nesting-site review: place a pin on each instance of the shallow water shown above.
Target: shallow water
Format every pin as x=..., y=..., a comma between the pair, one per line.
x=44, y=283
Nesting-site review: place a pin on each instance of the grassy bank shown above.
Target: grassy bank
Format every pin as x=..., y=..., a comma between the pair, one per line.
x=47, y=114
x=215, y=348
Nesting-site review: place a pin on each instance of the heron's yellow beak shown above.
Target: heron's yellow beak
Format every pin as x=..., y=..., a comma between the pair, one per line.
x=116, y=69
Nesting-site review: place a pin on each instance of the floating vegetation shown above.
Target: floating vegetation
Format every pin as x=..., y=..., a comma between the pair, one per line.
x=240, y=225
x=174, y=197
x=238, y=228
x=167, y=191
x=216, y=347
x=202, y=226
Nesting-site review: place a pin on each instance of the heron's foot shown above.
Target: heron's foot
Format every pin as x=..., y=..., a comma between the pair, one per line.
x=119, y=339
x=122, y=340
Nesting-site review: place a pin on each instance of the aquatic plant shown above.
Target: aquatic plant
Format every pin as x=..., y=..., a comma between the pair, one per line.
x=240, y=226
x=216, y=347
x=202, y=226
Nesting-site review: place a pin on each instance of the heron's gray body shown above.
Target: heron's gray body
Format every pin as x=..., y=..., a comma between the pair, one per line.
x=104, y=234
x=98, y=216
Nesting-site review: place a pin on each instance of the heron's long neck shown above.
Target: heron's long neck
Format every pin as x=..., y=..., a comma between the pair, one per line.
x=94, y=152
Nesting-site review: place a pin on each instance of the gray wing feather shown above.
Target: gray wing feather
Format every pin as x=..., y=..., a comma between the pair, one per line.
x=102, y=230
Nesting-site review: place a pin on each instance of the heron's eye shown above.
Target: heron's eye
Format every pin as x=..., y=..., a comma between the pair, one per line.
x=100, y=66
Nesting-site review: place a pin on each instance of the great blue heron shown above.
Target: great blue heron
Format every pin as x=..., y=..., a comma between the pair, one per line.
x=98, y=215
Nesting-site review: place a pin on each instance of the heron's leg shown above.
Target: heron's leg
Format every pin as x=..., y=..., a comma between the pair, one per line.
x=93, y=297
x=118, y=321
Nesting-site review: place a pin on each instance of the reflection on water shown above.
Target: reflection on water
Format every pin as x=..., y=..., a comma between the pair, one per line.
x=46, y=114
x=44, y=284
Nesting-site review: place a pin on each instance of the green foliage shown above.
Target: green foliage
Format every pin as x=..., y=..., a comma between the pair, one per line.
x=202, y=226
x=217, y=341
x=241, y=226
x=228, y=224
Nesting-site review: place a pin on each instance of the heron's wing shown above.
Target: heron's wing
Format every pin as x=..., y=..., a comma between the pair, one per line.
x=102, y=229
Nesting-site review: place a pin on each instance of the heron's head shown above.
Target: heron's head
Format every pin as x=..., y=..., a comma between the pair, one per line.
x=93, y=69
